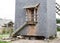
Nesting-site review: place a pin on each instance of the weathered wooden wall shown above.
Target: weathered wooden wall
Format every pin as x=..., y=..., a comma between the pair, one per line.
x=46, y=25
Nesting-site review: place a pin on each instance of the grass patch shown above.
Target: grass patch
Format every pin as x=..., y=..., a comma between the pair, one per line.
x=58, y=28
x=4, y=42
x=58, y=20
x=3, y=35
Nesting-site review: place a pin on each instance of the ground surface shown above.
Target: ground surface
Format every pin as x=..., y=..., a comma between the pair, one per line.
x=37, y=41
x=4, y=42
x=3, y=35
x=56, y=40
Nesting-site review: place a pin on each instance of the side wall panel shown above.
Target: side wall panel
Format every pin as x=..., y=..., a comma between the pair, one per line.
x=51, y=14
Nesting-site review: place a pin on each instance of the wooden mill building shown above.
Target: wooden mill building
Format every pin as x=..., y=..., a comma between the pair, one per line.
x=35, y=18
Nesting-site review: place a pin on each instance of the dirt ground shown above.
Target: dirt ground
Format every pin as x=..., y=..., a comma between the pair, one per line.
x=56, y=40
x=37, y=41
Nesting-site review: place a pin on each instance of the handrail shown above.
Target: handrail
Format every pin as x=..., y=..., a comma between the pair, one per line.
x=18, y=30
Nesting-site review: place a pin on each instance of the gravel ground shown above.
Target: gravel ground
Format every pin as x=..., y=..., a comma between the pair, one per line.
x=56, y=40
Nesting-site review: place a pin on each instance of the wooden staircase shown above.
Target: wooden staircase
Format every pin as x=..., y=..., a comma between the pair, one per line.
x=15, y=33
